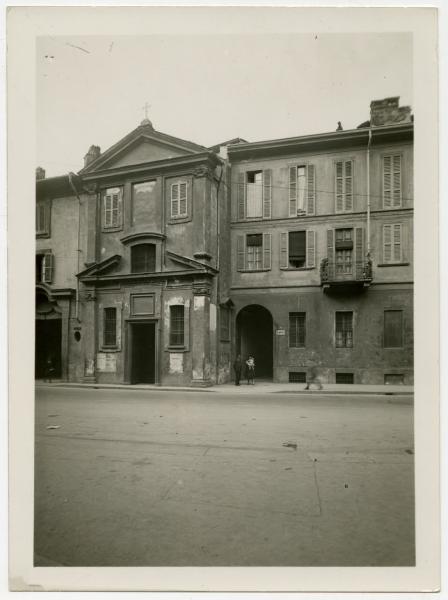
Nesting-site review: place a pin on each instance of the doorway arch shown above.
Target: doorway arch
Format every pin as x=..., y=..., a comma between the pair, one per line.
x=254, y=335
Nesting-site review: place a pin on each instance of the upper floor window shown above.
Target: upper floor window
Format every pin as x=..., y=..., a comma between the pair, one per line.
x=344, y=329
x=43, y=218
x=112, y=208
x=344, y=186
x=177, y=325
x=343, y=245
x=392, y=243
x=143, y=202
x=302, y=190
x=392, y=181
x=44, y=267
x=297, y=249
x=255, y=194
x=254, y=252
x=143, y=258
x=179, y=199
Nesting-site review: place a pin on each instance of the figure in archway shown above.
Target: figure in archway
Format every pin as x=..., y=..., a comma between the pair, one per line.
x=250, y=370
x=238, y=367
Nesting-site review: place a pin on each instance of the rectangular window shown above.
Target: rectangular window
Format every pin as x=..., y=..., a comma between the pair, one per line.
x=224, y=323
x=344, y=186
x=344, y=377
x=297, y=329
x=110, y=327
x=254, y=251
x=43, y=217
x=144, y=201
x=112, y=208
x=143, y=258
x=254, y=194
x=297, y=249
x=177, y=325
x=344, y=329
x=44, y=267
x=344, y=251
x=392, y=243
x=393, y=328
x=179, y=199
x=297, y=377
x=392, y=181
x=302, y=192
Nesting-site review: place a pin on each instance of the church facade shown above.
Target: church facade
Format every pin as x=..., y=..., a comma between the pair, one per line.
x=161, y=260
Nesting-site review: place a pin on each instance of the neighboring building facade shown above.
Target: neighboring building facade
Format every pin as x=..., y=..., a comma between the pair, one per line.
x=321, y=237
x=162, y=260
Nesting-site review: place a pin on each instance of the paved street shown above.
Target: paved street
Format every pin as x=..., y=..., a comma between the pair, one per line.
x=146, y=478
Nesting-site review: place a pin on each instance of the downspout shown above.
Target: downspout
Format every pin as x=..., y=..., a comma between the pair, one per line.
x=218, y=290
x=79, y=244
x=368, y=192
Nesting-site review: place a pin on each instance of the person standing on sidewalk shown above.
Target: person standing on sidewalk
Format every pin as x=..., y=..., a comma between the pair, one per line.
x=250, y=370
x=238, y=367
x=49, y=368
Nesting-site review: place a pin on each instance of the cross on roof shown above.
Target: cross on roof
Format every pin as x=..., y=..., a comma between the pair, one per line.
x=145, y=108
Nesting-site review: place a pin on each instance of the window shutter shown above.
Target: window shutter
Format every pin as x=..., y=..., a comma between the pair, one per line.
x=311, y=189
x=387, y=181
x=266, y=250
x=267, y=193
x=387, y=243
x=348, y=186
x=107, y=210
x=396, y=201
x=240, y=252
x=174, y=199
x=339, y=187
x=330, y=245
x=47, y=268
x=182, y=198
x=47, y=217
x=116, y=209
x=283, y=250
x=397, y=243
x=241, y=196
x=310, y=248
x=293, y=191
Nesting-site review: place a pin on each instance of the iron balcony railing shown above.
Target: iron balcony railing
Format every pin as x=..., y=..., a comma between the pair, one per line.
x=335, y=272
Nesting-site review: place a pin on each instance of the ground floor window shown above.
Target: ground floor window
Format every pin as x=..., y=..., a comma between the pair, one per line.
x=393, y=328
x=344, y=329
x=177, y=325
x=297, y=329
x=110, y=327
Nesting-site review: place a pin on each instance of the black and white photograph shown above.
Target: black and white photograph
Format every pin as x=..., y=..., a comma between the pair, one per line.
x=222, y=268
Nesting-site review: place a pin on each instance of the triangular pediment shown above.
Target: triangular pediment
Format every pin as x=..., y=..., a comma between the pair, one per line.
x=143, y=145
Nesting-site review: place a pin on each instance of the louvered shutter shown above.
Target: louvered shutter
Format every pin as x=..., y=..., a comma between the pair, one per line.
x=292, y=191
x=311, y=189
x=174, y=199
x=339, y=187
x=47, y=268
x=182, y=198
x=387, y=243
x=241, y=196
x=330, y=245
x=284, y=250
x=107, y=210
x=359, y=251
x=267, y=193
x=387, y=182
x=310, y=248
x=396, y=243
x=348, y=186
x=240, y=252
x=267, y=250
x=116, y=209
x=396, y=181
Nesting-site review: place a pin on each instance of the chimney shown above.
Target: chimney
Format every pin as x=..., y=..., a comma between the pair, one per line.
x=388, y=112
x=92, y=154
x=40, y=173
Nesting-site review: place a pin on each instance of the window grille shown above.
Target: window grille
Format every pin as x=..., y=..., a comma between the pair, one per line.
x=110, y=326
x=297, y=377
x=177, y=325
x=344, y=330
x=344, y=377
x=297, y=329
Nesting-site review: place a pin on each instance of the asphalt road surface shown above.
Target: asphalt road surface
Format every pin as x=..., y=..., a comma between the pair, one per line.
x=152, y=478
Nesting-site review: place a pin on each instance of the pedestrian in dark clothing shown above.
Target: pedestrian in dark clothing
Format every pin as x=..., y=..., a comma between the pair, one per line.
x=238, y=366
x=49, y=368
x=250, y=370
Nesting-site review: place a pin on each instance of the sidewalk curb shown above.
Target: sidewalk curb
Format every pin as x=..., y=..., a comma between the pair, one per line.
x=212, y=389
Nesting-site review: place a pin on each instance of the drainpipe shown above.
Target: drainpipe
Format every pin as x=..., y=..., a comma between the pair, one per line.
x=72, y=185
x=218, y=290
x=368, y=191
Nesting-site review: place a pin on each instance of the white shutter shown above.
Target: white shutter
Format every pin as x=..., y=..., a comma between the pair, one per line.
x=47, y=268
x=183, y=198
x=387, y=243
x=397, y=243
x=339, y=187
x=267, y=193
x=240, y=252
x=348, y=191
x=107, y=210
x=293, y=191
x=284, y=250
x=311, y=189
x=387, y=181
x=396, y=182
x=174, y=199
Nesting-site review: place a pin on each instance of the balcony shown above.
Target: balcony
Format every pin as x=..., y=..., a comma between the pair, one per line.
x=353, y=276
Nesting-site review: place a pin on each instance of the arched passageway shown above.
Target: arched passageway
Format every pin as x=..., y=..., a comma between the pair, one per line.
x=254, y=335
